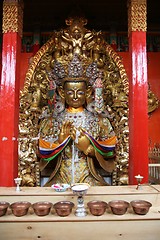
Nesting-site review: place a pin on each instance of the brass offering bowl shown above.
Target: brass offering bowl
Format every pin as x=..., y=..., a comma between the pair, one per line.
x=3, y=208
x=140, y=207
x=97, y=207
x=42, y=208
x=20, y=208
x=118, y=207
x=63, y=208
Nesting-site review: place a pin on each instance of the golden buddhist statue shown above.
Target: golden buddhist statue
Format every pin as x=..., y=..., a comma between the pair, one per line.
x=74, y=111
x=82, y=137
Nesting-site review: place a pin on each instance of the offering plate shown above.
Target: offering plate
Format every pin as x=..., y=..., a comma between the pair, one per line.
x=60, y=187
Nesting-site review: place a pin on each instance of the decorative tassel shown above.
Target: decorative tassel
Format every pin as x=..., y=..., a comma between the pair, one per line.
x=51, y=95
x=99, y=104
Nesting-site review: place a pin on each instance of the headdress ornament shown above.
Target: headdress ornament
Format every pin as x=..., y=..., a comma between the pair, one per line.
x=76, y=70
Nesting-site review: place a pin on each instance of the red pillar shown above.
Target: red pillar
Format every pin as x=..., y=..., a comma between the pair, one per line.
x=9, y=97
x=138, y=90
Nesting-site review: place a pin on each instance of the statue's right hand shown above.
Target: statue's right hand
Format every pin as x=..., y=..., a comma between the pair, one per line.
x=65, y=131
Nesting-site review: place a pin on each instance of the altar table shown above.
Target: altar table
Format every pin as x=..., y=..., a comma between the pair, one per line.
x=129, y=226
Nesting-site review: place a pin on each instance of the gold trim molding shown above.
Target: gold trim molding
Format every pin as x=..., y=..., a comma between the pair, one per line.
x=13, y=16
x=137, y=15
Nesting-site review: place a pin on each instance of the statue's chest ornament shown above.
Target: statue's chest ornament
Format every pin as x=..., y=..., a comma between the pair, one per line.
x=78, y=119
x=84, y=120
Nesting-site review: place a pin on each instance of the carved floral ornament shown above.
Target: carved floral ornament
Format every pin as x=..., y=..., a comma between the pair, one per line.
x=12, y=16
x=91, y=47
x=137, y=15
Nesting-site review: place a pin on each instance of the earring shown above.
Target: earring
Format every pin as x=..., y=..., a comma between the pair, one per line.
x=59, y=106
x=91, y=107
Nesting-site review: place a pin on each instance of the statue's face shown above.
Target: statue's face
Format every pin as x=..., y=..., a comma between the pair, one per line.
x=75, y=94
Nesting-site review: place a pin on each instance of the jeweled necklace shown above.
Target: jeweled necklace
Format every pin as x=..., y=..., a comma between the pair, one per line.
x=77, y=116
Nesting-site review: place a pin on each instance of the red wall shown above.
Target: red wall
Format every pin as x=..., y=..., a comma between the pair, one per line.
x=0, y=66
x=153, y=78
x=154, y=81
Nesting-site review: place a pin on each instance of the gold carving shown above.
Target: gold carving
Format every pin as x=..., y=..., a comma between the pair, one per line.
x=137, y=15
x=33, y=100
x=12, y=17
x=33, y=64
x=153, y=102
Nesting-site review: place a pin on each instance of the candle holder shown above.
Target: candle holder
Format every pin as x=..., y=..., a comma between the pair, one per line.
x=80, y=190
x=18, y=182
x=139, y=180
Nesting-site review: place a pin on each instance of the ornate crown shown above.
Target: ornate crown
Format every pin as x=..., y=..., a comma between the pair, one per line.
x=76, y=70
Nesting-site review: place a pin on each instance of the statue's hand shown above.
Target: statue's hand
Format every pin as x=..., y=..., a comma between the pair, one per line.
x=65, y=131
x=90, y=151
x=81, y=140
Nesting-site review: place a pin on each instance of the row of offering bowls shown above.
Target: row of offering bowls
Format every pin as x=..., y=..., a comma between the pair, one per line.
x=64, y=208
x=119, y=207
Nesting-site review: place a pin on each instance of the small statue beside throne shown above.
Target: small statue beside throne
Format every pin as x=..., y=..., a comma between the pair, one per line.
x=76, y=101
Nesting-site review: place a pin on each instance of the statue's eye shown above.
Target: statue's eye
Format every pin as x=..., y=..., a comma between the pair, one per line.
x=69, y=92
x=80, y=92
